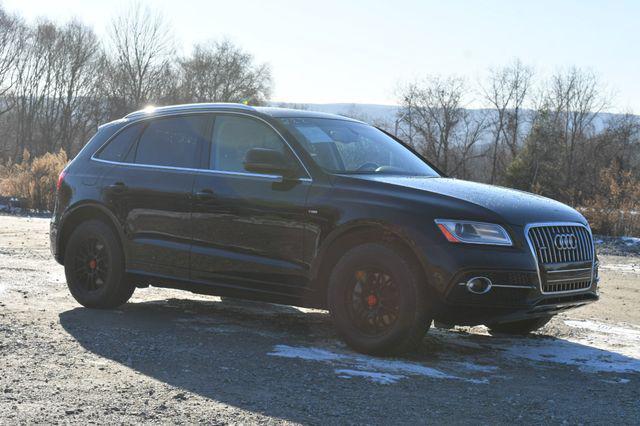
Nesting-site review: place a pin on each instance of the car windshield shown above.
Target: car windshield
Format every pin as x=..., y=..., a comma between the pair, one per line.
x=341, y=146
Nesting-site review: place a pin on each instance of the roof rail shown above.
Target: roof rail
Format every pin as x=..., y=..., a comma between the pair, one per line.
x=186, y=107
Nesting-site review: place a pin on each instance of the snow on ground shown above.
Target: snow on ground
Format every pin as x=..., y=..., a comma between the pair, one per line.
x=633, y=268
x=379, y=370
x=617, y=246
x=592, y=347
x=630, y=241
x=613, y=351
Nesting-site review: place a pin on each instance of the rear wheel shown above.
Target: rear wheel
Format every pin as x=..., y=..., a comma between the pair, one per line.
x=94, y=267
x=377, y=300
x=522, y=327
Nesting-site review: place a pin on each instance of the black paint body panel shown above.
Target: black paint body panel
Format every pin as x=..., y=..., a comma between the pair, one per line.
x=266, y=238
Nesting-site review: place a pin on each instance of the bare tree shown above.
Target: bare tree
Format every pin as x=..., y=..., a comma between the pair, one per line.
x=436, y=112
x=466, y=151
x=10, y=35
x=78, y=78
x=521, y=77
x=222, y=72
x=505, y=91
x=31, y=86
x=140, y=49
x=574, y=98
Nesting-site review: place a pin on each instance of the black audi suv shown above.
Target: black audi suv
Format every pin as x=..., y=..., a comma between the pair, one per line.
x=312, y=210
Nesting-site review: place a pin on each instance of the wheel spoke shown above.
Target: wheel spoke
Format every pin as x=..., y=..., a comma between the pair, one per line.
x=91, y=264
x=373, y=301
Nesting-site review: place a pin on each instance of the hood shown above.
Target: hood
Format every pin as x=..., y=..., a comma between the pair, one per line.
x=515, y=207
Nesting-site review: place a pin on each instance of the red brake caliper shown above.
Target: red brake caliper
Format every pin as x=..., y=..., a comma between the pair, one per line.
x=372, y=300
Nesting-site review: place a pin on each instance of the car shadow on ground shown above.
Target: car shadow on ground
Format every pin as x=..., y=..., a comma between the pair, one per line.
x=224, y=351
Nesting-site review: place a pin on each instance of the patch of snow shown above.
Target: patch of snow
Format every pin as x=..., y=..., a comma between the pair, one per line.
x=605, y=348
x=366, y=365
x=618, y=381
x=630, y=241
x=621, y=267
x=309, y=354
x=586, y=358
x=374, y=376
x=627, y=334
x=478, y=367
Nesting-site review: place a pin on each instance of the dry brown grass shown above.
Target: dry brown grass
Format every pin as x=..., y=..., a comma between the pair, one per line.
x=33, y=180
x=616, y=210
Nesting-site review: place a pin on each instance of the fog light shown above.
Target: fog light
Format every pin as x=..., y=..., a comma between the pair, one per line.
x=479, y=285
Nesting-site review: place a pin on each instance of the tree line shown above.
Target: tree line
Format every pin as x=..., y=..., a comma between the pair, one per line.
x=547, y=136
x=58, y=82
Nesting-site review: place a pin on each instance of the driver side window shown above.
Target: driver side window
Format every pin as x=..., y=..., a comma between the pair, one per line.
x=234, y=135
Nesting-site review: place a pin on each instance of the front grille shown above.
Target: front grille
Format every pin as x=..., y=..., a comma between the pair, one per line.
x=565, y=286
x=544, y=240
x=565, y=257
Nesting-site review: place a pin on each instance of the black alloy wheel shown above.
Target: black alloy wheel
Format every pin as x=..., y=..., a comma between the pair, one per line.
x=91, y=264
x=94, y=267
x=377, y=299
x=373, y=301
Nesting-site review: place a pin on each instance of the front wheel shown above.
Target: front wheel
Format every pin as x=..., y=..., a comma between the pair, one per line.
x=377, y=300
x=522, y=327
x=94, y=267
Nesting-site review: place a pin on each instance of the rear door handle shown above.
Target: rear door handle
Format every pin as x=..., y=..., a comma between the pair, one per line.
x=205, y=194
x=117, y=187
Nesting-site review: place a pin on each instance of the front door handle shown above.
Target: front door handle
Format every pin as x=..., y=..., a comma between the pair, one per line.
x=117, y=187
x=205, y=194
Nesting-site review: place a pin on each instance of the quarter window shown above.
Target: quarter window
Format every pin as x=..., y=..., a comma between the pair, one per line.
x=233, y=136
x=120, y=147
x=173, y=142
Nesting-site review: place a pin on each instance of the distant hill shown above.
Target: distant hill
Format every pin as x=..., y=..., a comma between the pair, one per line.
x=368, y=112
x=386, y=115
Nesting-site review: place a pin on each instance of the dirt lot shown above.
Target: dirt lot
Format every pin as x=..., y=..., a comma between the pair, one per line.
x=170, y=356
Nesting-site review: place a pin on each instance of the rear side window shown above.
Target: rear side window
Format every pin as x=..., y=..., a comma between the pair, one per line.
x=120, y=148
x=173, y=142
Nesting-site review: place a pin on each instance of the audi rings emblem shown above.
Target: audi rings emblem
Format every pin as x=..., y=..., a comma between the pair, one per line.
x=565, y=241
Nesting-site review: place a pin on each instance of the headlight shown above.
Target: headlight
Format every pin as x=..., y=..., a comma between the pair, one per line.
x=462, y=231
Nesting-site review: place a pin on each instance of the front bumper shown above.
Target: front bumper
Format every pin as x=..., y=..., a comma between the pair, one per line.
x=485, y=313
x=524, y=286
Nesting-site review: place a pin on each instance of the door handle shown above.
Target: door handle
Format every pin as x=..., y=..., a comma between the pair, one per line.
x=117, y=187
x=205, y=194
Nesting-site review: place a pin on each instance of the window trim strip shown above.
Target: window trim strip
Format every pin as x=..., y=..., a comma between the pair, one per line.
x=203, y=171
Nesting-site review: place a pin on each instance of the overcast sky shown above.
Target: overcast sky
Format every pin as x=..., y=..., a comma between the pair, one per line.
x=359, y=51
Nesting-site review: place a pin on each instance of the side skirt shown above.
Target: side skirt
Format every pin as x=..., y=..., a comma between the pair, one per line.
x=225, y=289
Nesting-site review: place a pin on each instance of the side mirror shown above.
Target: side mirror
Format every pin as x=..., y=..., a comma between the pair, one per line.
x=267, y=161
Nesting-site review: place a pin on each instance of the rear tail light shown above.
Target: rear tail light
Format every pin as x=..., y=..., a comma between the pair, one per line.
x=60, y=179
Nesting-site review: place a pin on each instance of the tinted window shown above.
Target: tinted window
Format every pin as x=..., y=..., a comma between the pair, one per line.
x=172, y=142
x=120, y=147
x=233, y=136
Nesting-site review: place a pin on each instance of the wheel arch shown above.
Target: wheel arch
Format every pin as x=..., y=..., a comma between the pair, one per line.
x=82, y=213
x=348, y=236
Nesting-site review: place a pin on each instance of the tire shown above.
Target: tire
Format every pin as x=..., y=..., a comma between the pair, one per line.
x=398, y=306
x=522, y=327
x=94, y=267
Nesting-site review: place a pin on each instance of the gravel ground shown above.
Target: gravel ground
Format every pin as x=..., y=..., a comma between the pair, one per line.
x=170, y=356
